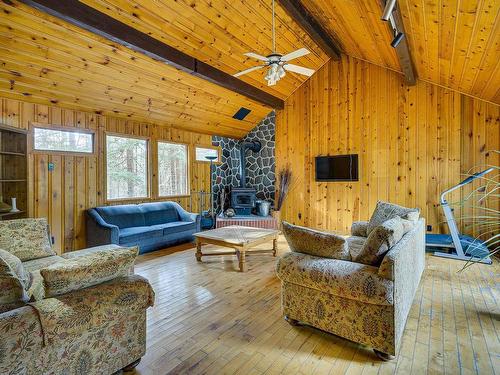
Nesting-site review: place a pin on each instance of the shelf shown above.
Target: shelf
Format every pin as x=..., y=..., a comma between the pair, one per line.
x=2, y=214
x=23, y=180
x=12, y=153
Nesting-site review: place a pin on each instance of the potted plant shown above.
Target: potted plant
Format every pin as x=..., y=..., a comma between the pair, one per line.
x=482, y=213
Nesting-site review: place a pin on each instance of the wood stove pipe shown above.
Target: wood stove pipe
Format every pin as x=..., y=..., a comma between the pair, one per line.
x=254, y=146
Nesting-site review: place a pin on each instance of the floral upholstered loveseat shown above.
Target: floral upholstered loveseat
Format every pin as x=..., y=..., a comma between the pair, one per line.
x=80, y=313
x=336, y=292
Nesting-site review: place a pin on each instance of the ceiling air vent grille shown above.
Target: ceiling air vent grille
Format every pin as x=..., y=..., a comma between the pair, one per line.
x=241, y=114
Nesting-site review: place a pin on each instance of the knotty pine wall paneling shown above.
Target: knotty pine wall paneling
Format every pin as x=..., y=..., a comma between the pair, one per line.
x=413, y=143
x=79, y=182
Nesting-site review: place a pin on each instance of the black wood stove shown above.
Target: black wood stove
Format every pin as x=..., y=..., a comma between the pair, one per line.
x=243, y=198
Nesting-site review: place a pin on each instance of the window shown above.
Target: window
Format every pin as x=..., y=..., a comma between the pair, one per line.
x=127, y=167
x=203, y=152
x=172, y=169
x=62, y=140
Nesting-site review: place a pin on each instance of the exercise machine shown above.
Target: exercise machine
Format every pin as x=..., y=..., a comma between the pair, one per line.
x=461, y=247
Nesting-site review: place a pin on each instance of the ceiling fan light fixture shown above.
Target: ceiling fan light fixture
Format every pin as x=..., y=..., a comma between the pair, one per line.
x=274, y=74
x=276, y=63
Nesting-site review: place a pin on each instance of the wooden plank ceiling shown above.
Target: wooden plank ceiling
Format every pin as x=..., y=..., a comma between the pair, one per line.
x=49, y=61
x=454, y=43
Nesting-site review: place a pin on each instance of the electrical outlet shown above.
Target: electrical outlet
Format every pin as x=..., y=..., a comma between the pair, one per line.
x=429, y=228
x=53, y=240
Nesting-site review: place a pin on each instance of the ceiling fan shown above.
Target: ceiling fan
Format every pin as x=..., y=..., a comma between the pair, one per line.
x=277, y=63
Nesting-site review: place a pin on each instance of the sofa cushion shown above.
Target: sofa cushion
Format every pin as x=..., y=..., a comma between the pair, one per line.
x=159, y=213
x=313, y=242
x=379, y=241
x=88, y=270
x=14, y=281
x=385, y=211
x=336, y=277
x=26, y=238
x=123, y=216
x=359, y=228
x=178, y=226
x=136, y=234
x=355, y=244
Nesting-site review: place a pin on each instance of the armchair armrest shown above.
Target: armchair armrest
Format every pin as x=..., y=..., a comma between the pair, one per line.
x=359, y=228
x=408, y=252
x=22, y=340
x=88, y=270
x=72, y=314
x=99, y=232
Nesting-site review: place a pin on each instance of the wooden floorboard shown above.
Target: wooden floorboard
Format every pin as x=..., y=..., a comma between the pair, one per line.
x=209, y=318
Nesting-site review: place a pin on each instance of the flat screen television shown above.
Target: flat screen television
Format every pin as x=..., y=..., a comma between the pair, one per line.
x=337, y=168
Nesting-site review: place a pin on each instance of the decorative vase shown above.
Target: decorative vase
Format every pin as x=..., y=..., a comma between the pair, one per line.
x=14, y=205
x=277, y=216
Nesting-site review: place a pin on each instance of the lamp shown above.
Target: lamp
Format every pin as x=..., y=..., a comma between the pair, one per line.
x=397, y=39
x=389, y=8
x=212, y=215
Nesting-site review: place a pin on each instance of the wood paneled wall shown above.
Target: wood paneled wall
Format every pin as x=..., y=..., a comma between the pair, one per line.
x=78, y=182
x=413, y=142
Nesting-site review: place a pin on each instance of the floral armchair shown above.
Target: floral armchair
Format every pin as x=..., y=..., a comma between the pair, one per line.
x=80, y=313
x=346, y=295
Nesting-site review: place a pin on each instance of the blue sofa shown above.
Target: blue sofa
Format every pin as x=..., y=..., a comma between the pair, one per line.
x=151, y=226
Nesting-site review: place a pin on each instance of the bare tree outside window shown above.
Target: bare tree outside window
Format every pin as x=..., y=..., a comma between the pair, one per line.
x=172, y=169
x=127, y=169
x=64, y=141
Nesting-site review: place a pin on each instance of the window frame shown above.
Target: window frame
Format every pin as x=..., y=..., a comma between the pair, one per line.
x=36, y=125
x=188, y=167
x=148, y=167
x=217, y=148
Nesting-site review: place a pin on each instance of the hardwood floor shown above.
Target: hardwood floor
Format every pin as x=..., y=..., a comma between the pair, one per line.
x=211, y=319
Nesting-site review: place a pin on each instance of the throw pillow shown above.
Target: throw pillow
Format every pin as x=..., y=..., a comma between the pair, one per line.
x=26, y=238
x=14, y=280
x=87, y=270
x=313, y=242
x=359, y=228
x=379, y=242
x=385, y=211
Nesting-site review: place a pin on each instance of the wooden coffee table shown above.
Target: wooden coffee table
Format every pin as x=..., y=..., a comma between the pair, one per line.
x=240, y=238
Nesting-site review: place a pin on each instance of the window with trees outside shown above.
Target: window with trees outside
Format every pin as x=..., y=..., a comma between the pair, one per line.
x=203, y=152
x=127, y=167
x=172, y=169
x=63, y=141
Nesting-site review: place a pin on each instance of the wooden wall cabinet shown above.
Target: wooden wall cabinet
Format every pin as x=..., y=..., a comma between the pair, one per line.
x=13, y=172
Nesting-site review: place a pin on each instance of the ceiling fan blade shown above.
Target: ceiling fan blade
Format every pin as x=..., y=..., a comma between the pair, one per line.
x=296, y=54
x=299, y=69
x=255, y=56
x=248, y=70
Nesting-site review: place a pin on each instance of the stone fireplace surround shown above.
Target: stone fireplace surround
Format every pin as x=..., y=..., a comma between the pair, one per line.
x=259, y=167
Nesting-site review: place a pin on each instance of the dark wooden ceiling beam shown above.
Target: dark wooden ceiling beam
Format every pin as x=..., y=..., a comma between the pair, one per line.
x=403, y=49
x=306, y=20
x=90, y=19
